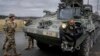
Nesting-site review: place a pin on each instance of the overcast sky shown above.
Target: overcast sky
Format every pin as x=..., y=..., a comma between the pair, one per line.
x=31, y=7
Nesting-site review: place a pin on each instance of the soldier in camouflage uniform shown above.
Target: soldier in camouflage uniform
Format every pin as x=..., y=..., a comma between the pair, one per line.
x=5, y=31
x=74, y=30
x=30, y=39
x=9, y=44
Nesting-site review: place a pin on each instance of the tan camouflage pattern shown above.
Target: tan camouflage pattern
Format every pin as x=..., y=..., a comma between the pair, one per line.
x=9, y=29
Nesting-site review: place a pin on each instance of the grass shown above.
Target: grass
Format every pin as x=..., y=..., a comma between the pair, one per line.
x=20, y=24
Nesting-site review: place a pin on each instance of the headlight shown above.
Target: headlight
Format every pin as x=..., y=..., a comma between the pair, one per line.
x=64, y=25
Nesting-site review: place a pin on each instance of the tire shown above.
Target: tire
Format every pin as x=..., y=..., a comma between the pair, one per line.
x=63, y=46
x=42, y=46
x=84, y=48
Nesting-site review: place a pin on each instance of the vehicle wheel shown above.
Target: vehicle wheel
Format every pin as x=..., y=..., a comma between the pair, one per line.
x=63, y=46
x=84, y=48
x=42, y=46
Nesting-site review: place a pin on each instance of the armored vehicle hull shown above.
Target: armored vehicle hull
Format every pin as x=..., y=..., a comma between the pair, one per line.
x=71, y=28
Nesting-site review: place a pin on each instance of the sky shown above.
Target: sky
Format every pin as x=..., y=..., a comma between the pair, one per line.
x=31, y=7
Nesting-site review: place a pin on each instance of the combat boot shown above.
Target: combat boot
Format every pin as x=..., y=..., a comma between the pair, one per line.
x=27, y=48
x=7, y=54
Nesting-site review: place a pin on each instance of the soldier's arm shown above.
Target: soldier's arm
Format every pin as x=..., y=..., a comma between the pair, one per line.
x=15, y=25
x=5, y=26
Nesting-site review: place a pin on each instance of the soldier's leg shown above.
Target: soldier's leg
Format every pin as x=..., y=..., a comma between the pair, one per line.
x=7, y=48
x=29, y=44
x=32, y=42
x=5, y=43
x=15, y=51
x=13, y=45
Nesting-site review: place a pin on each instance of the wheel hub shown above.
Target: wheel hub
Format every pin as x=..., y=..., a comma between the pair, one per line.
x=65, y=47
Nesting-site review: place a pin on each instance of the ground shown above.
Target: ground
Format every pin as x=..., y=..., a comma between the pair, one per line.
x=21, y=44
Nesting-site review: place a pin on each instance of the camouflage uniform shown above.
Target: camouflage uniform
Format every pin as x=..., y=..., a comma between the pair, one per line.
x=10, y=40
x=30, y=39
x=31, y=42
x=5, y=31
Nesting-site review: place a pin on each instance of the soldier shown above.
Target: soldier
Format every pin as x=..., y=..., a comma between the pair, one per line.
x=74, y=30
x=30, y=39
x=5, y=31
x=9, y=44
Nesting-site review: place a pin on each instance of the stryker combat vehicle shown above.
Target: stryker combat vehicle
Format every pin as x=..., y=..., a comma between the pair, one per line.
x=71, y=28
